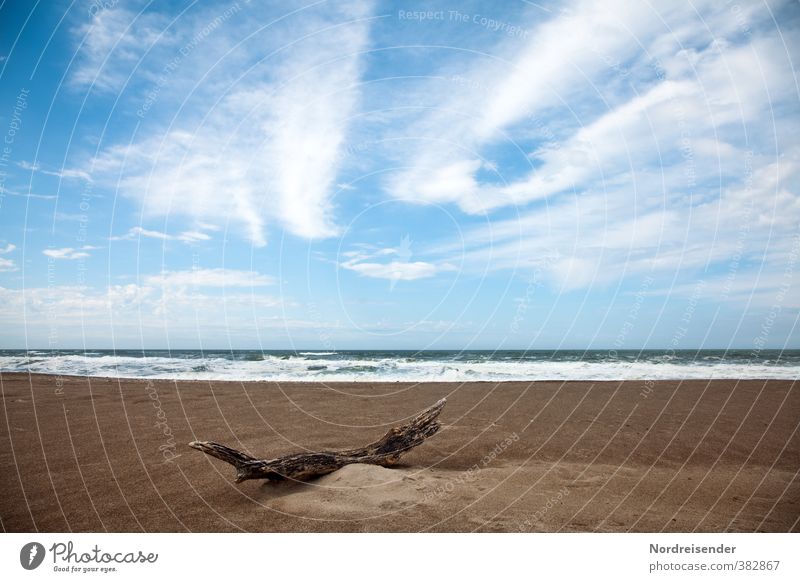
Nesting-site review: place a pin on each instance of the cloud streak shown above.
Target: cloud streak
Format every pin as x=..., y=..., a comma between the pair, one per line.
x=256, y=148
x=68, y=253
x=647, y=147
x=209, y=278
x=188, y=236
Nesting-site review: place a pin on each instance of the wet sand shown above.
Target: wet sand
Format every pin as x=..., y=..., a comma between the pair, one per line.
x=96, y=454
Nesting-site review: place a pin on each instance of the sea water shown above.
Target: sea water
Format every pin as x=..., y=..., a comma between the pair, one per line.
x=407, y=366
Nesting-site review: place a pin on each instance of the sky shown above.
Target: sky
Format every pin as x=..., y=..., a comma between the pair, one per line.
x=399, y=175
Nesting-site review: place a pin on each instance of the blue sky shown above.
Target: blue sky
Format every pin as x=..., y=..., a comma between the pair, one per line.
x=411, y=175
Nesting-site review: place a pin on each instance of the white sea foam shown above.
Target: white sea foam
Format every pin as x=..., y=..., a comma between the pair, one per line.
x=387, y=369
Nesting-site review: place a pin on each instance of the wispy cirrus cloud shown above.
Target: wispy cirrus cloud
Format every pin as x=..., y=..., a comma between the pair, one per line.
x=69, y=253
x=111, y=43
x=609, y=142
x=627, y=139
x=392, y=270
x=187, y=236
x=258, y=141
x=209, y=278
x=64, y=173
x=391, y=263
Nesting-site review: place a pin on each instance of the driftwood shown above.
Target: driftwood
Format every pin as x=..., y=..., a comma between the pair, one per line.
x=385, y=452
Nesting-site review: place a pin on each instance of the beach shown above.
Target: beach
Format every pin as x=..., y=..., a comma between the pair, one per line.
x=99, y=454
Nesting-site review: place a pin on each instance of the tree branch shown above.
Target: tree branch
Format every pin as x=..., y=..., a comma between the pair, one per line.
x=384, y=452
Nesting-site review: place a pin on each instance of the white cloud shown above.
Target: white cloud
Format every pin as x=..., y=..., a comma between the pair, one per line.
x=725, y=84
x=188, y=236
x=111, y=44
x=68, y=253
x=598, y=237
x=515, y=88
x=130, y=306
x=633, y=134
x=675, y=168
x=208, y=226
x=62, y=173
x=30, y=195
x=256, y=148
x=395, y=270
x=7, y=265
x=399, y=268
x=562, y=52
x=209, y=278
x=627, y=138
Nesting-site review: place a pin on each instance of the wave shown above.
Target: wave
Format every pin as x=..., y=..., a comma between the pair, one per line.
x=363, y=367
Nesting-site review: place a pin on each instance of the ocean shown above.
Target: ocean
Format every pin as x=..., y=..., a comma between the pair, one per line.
x=407, y=366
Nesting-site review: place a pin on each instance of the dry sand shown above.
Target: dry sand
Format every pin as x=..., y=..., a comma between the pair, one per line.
x=100, y=454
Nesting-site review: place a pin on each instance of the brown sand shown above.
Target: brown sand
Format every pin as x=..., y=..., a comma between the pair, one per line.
x=544, y=456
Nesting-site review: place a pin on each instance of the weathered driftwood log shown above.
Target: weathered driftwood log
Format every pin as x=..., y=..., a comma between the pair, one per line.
x=384, y=452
